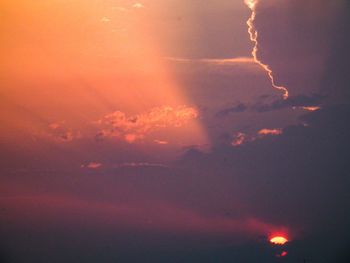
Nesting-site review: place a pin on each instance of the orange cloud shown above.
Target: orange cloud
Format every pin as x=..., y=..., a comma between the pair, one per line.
x=92, y=165
x=54, y=126
x=161, y=142
x=105, y=20
x=224, y=61
x=136, y=127
x=228, y=61
x=239, y=139
x=310, y=108
x=58, y=132
x=138, y=5
x=270, y=131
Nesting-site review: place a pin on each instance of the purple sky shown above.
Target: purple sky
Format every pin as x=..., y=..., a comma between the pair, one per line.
x=146, y=131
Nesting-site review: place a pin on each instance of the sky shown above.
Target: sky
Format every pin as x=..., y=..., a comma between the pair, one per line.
x=174, y=131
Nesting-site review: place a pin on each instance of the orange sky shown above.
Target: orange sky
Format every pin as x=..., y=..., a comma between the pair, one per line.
x=69, y=64
x=73, y=62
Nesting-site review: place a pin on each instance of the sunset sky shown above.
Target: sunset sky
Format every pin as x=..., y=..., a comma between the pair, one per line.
x=174, y=131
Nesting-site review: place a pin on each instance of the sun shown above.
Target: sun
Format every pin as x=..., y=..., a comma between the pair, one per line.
x=278, y=240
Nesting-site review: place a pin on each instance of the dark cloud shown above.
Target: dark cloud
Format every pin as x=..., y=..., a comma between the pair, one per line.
x=298, y=179
x=278, y=104
x=236, y=109
x=294, y=101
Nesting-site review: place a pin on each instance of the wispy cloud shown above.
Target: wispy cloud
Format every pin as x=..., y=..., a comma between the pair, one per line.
x=235, y=109
x=59, y=132
x=138, y=5
x=223, y=61
x=161, y=142
x=241, y=138
x=301, y=101
x=119, y=8
x=311, y=108
x=92, y=165
x=270, y=131
x=105, y=19
x=141, y=164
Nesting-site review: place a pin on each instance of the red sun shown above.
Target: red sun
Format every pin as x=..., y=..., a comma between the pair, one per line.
x=278, y=240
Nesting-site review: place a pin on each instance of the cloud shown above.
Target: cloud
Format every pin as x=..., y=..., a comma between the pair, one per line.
x=311, y=108
x=161, y=142
x=236, y=109
x=141, y=164
x=228, y=192
x=210, y=66
x=119, y=8
x=307, y=103
x=92, y=165
x=295, y=101
x=105, y=19
x=277, y=172
x=222, y=62
x=240, y=138
x=57, y=131
x=136, y=127
x=54, y=126
x=228, y=61
x=67, y=136
x=138, y=5
x=270, y=132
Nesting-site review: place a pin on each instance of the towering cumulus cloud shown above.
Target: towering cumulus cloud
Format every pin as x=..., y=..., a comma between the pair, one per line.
x=253, y=33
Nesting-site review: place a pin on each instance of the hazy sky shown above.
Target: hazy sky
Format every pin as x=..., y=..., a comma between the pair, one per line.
x=148, y=131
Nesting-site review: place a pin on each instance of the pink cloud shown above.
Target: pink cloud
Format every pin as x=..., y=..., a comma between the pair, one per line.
x=239, y=138
x=92, y=165
x=266, y=131
x=136, y=127
x=161, y=142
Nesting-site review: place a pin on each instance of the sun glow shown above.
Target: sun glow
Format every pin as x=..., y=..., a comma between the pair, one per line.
x=278, y=240
x=104, y=62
